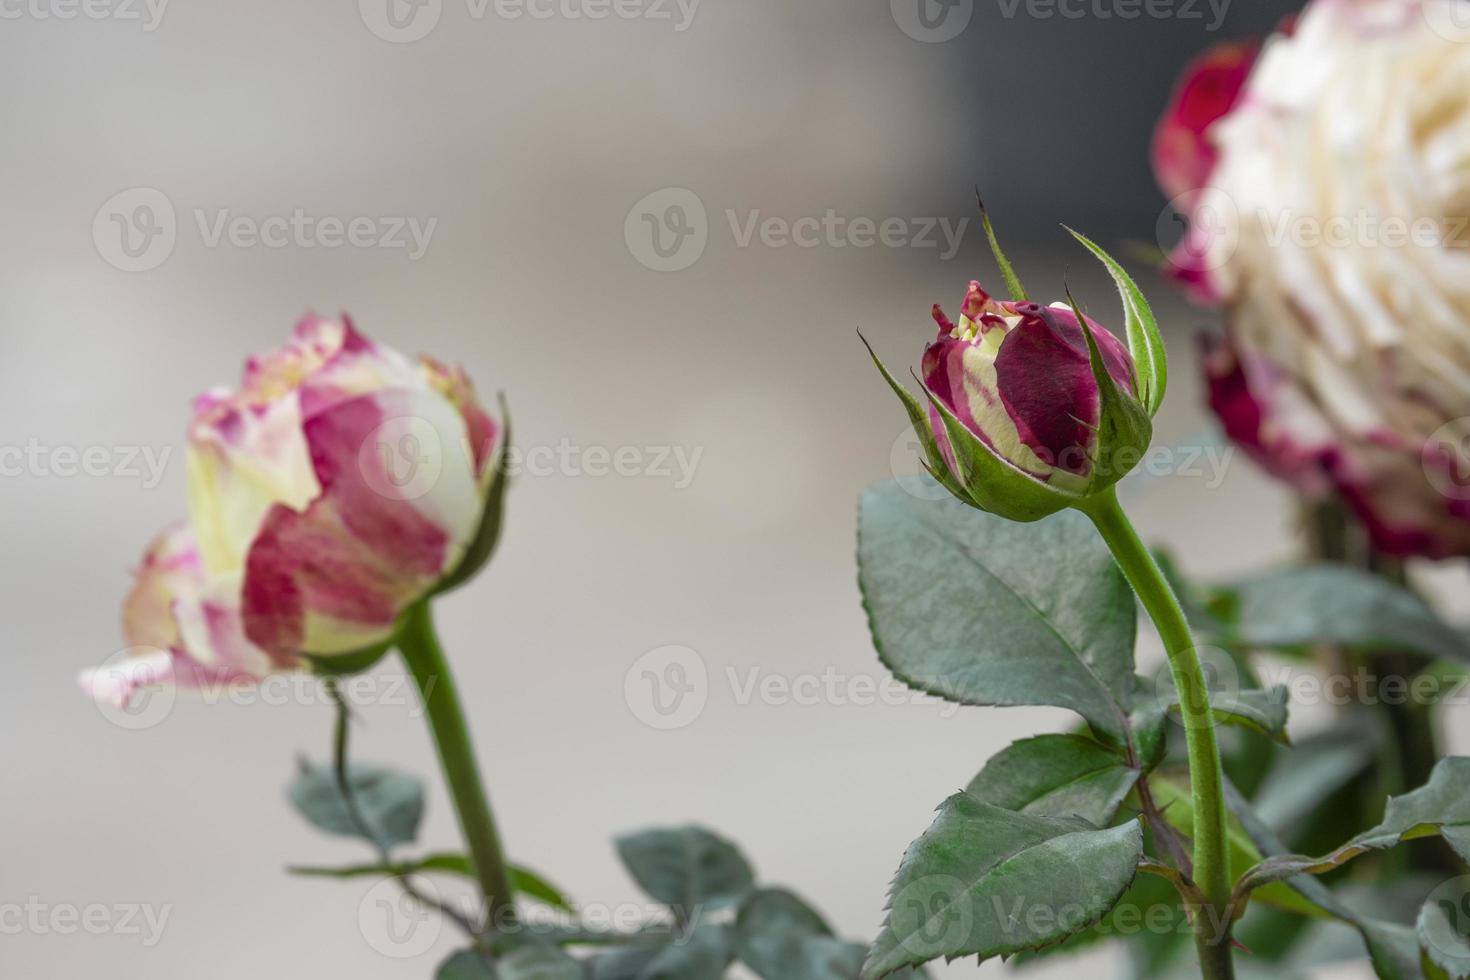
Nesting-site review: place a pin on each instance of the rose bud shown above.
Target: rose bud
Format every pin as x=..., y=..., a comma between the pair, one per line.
x=341, y=483
x=1035, y=408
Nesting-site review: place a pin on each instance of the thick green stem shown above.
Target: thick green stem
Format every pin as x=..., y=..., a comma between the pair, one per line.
x=1206, y=778
x=425, y=659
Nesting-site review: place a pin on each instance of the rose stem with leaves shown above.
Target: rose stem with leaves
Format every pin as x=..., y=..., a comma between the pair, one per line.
x=425, y=658
x=1206, y=778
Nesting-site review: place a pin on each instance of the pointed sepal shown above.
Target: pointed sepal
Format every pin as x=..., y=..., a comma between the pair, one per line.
x=1124, y=430
x=1145, y=344
x=1007, y=271
x=934, y=461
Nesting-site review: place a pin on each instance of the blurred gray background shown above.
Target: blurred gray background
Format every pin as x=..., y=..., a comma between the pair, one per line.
x=546, y=151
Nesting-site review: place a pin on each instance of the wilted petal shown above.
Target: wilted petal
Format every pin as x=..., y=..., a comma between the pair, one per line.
x=116, y=684
x=170, y=568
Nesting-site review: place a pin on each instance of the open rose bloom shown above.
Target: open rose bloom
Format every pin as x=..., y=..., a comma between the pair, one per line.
x=339, y=484
x=1331, y=220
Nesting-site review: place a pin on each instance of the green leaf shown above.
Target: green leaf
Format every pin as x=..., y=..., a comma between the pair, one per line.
x=780, y=937
x=525, y=881
x=530, y=884
x=980, y=610
x=702, y=955
x=465, y=965
x=1444, y=944
x=769, y=910
x=1149, y=900
x=1441, y=806
x=1261, y=711
x=1343, y=606
x=1392, y=948
x=986, y=881
x=1313, y=770
x=536, y=961
x=1145, y=343
x=390, y=803
x=792, y=956
x=686, y=868
x=1056, y=776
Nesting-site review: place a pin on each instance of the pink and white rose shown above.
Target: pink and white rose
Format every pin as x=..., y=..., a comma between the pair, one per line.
x=339, y=484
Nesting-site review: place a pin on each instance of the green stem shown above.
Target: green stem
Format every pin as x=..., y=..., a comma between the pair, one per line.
x=425, y=659
x=1206, y=778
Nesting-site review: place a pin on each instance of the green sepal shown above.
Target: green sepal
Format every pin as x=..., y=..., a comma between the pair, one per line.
x=1124, y=430
x=919, y=420
x=992, y=484
x=1145, y=343
x=492, y=518
x=352, y=662
x=1007, y=271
